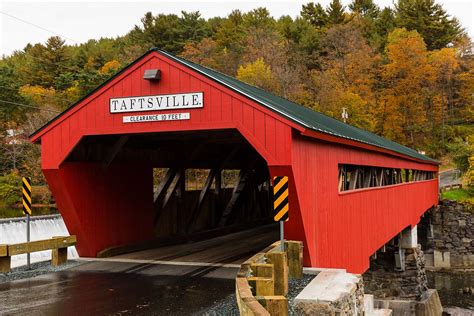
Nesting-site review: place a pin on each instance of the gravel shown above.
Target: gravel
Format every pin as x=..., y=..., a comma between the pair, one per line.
x=295, y=286
x=228, y=306
x=37, y=268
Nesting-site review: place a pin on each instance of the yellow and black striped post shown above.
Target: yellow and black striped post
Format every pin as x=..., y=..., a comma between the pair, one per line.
x=280, y=204
x=26, y=195
x=280, y=199
x=26, y=189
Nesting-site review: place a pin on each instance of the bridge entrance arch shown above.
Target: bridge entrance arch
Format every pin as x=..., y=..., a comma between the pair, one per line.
x=157, y=188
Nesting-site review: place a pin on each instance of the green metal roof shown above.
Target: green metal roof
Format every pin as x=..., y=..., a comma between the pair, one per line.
x=299, y=114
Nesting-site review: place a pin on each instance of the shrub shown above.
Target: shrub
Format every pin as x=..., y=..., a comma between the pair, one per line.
x=10, y=188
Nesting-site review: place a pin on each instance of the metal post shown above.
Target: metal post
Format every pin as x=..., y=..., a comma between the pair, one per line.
x=28, y=239
x=282, y=236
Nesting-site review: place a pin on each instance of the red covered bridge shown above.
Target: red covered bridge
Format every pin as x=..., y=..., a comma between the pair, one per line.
x=350, y=190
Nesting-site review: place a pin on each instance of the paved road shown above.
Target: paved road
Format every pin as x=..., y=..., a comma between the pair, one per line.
x=447, y=177
x=176, y=280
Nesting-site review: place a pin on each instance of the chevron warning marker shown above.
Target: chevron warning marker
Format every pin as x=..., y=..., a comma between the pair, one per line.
x=26, y=189
x=280, y=198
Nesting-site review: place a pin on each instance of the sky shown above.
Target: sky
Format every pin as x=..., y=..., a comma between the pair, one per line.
x=79, y=21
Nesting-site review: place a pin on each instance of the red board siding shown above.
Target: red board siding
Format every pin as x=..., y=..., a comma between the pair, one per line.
x=342, y=230
x=223, y=108
x=104, y=208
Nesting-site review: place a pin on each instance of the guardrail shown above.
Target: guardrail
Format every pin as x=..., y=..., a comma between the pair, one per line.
x=58, y=245
x=261, y=285
x=450, y=187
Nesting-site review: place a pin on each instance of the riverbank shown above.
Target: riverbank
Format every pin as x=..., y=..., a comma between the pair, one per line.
x=455, y=288
x=448, y=240
x=37, y=209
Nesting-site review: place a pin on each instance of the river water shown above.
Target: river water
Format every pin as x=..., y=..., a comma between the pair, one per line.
x=13, y=230
x=449, y=284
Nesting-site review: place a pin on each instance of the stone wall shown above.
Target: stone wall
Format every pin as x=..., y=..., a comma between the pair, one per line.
x=453, y=235
x=383, y=281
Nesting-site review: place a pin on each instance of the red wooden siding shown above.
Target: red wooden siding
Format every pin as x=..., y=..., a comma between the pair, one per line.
x=104, y=207
x=343, y=230
x=223, y=108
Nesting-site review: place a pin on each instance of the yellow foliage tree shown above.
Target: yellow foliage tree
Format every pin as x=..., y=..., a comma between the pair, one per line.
x=444, y=64
x=110, y=67
x=406, y=76
x=258, y=74
x=470, y=170
x=42, y=97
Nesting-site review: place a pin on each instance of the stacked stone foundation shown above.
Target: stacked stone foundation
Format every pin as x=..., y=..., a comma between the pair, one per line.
x=452, y=240
x=384, y=282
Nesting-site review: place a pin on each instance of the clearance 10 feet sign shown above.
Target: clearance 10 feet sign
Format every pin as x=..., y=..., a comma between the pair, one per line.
x=180, y=101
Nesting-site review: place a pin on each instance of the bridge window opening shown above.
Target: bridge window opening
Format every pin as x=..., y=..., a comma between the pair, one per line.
x=159, y=175
x=196, y=179
x=229, y=178
x=353, y=177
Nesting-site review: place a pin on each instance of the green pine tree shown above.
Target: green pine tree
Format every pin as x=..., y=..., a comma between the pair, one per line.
x=366, y=8
x=430, y=20
x=314, y=14
x=335, y=12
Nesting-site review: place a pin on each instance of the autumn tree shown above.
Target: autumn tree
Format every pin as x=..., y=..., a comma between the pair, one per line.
x=258, y=74
x=346, y=77
x=464, y=100
x=208, y=53
x=406, y=78
x=444, y=66
x=110, y=67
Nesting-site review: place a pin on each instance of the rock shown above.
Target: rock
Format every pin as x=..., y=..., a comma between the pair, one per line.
x=456, y=311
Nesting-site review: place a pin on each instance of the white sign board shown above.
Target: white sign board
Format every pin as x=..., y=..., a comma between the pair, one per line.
x=156, y=117
x=157, y=102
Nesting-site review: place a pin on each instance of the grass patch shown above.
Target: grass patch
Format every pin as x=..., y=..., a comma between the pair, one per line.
x=459, y=195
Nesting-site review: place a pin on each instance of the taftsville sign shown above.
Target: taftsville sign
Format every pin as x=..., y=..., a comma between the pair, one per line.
x=157, y=102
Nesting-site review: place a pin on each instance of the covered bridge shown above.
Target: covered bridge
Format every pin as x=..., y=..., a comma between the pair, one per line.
x=350, y=191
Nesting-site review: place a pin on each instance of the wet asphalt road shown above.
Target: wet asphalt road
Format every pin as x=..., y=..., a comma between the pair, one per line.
x=102, y=293
x=151, y=282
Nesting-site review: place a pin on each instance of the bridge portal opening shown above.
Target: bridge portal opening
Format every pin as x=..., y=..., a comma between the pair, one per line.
x=210, y=181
